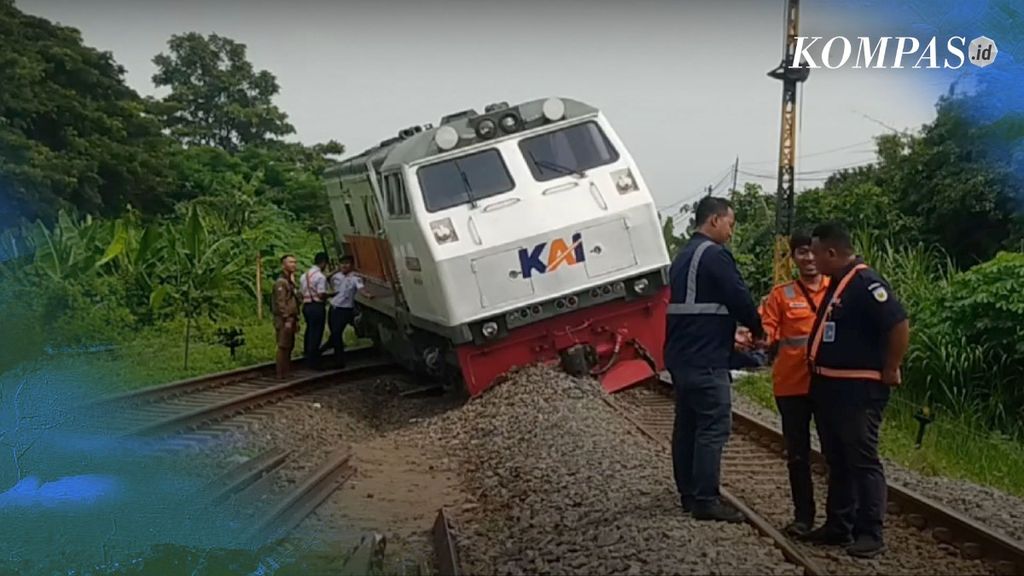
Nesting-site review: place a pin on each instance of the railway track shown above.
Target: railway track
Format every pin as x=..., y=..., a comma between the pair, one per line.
x=923, y=536
x=202, y=402
x=268, y=495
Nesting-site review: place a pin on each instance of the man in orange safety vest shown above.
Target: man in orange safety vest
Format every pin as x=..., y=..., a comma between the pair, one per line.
x=788, y=317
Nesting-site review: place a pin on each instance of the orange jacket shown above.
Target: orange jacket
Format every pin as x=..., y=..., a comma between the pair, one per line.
x=788, y=319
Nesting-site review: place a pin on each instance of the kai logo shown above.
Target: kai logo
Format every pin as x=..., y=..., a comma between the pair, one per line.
x=559, y=253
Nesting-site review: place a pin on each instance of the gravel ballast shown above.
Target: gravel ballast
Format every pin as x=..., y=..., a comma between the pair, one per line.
x=564, y=485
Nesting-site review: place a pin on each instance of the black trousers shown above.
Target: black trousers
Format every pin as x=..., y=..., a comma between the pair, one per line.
x=702, y=426
x=338, y=319
x=849, y=416
x=796, y=428
x=315, y=314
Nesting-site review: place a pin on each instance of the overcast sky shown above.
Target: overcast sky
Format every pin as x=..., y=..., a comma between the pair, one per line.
x=684, y=83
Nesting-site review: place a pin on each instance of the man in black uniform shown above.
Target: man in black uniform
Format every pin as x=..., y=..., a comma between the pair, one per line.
x=856, y=347
x=708, y=298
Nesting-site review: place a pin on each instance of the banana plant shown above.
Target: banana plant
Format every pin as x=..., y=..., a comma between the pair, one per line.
x=70, y=249
x=135, y=250
x=199, y=275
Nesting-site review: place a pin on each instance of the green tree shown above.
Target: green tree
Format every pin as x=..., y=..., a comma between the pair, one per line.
x=223, y=110
x=949, y=180
x=860, y=200
x=673, y=241
x=72, y=134
x=754, y=236
x=952, y=185
x=217, y=97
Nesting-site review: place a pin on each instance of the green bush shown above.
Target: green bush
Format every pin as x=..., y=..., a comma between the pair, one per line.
x=986, y=303
x=966, y=331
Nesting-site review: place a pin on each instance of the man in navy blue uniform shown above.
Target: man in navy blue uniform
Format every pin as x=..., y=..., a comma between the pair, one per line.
x=856, y=347
x=708, y=298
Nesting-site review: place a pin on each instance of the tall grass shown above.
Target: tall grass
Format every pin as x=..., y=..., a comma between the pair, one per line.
x=953, y=446
x=967, y=375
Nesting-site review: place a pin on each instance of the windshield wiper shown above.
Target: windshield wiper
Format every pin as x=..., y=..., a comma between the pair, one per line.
x=556, y=167
x=465, y=184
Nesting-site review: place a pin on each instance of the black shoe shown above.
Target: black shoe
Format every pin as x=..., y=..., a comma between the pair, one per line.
x=798, y=528
x=720, y=512
x=688, y=503
x=866, y=547
x=828, y=536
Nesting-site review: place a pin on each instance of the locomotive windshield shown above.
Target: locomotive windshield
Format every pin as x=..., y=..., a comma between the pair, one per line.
x=571, y=150
x=464, y=179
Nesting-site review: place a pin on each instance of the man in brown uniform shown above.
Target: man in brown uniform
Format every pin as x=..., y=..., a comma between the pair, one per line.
x=286, y=314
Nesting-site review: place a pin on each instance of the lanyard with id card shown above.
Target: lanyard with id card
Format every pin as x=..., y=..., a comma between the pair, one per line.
x=829, y=332
x=828, y=327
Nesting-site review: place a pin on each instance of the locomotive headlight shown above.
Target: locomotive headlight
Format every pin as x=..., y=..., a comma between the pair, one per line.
x=486, y=129
x=554, y=109
x=640, y=286
x=624, y=181
x=443, y=231
x=489, y=329
x=446, y=137
x=509, y=123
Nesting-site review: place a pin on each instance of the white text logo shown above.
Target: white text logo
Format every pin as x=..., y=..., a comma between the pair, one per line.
x=892, y=52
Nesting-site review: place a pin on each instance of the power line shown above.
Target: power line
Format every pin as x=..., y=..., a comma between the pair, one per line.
x=701, y=193
x=821, y=153
x=827, y=171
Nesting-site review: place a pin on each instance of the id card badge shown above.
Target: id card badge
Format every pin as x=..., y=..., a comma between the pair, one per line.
x=830, y=332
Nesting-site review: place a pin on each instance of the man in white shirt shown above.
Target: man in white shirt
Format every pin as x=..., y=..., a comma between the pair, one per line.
x=313, y=287
x=344, y=284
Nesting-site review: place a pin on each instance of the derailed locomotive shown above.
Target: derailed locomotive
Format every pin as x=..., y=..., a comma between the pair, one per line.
x=519, y=235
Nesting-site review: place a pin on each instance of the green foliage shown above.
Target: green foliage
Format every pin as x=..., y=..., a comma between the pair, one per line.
x=102, y=281
x=965, y=354
x=945, y=186
x=986, y=303
x=217, y=97
x=668, y=232
x=754, y=237
x=855, y=200
x=72, y=134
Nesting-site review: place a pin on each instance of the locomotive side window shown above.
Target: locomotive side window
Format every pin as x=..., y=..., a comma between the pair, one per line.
x=462, y=180
x=348, y=212
x=394, y=193
x=403, y=199
x=571, y=150
x=389, y=202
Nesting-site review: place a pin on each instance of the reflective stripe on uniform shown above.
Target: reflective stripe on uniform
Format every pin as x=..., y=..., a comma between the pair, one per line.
x=690, y=306
x=843, y=373
x=795, y=342
x=816, y=342
x=702, y=308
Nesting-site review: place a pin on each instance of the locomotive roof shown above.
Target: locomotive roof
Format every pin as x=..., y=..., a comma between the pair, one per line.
x=419, y=146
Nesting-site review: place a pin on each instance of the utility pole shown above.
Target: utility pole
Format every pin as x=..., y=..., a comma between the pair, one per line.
x=735, y=172
x=784, y=202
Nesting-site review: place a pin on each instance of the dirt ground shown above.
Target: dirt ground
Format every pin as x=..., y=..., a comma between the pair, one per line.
x=397, y=489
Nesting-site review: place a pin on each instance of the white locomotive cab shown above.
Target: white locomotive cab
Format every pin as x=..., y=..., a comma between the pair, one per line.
x=520, y=217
